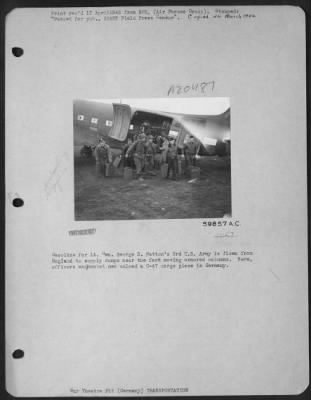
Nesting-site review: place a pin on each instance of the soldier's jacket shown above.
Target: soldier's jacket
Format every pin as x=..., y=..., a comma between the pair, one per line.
x=138, y=147
x=191, y=148
x=151, y=149
x=103, y=153
x=172, y=151
x=159, y=143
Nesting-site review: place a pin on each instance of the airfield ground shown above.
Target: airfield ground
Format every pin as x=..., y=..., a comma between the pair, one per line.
x=114, y=198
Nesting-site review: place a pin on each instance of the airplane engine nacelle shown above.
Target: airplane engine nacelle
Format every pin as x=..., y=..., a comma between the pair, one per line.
x=221, y=148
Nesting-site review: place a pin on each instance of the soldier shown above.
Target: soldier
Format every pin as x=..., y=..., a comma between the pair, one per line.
x=158, y=141
x=145, y=128
x=172, y=159
x=164, y=150
x=128, y=161
x=191, y=150
x=139, y=150
x=103, y=157
x=164, y=141
x=150, y=154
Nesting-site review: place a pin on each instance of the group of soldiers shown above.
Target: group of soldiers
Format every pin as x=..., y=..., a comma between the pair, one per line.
x=145, y=153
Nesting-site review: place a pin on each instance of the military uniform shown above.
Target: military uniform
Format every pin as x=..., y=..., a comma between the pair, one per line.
x=129, y=160
x=150, y=154
x=191, y=150
x=164, y=150
x=139, y=150
x=172, y=160
x=103, y=157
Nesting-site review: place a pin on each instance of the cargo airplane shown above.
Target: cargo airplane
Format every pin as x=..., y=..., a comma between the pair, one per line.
x=116, y=122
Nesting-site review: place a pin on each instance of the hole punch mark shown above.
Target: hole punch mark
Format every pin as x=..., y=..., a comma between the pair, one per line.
x=17, y=51
x=18, y=202
x=18, y=354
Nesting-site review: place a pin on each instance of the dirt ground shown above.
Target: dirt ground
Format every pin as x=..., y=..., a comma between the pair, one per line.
x=114, y=198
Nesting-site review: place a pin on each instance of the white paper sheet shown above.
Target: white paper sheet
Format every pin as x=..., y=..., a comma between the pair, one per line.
x=238, y=330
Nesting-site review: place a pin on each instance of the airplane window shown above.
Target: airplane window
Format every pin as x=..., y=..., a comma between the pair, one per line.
x=94, y=120
x=80, y=117
x=108, y=123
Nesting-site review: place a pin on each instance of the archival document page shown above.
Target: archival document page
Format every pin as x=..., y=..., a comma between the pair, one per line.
x=156, y=201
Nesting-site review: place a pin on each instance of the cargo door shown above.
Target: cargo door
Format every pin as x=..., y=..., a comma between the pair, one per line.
x=121, y=121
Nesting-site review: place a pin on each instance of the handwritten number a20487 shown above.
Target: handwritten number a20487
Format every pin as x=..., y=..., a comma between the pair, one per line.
x=199, y=87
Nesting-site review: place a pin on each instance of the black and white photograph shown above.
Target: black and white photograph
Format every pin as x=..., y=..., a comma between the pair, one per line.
x=152, y=158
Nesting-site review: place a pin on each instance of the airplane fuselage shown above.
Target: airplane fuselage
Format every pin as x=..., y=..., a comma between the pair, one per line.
x=94, y=120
